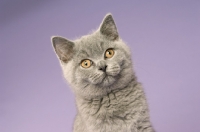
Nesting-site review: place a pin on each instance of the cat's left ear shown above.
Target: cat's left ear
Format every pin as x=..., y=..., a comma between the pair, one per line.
x=63, y=48
x=108, y=28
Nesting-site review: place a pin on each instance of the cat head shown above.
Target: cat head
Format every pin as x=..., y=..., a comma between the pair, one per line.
x=97, y=63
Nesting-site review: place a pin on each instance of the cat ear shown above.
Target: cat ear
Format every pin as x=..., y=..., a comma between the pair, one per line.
x=63, y=48
x=108, y=28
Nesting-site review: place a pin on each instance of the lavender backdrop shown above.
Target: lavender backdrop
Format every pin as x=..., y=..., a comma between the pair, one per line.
x=164, y=37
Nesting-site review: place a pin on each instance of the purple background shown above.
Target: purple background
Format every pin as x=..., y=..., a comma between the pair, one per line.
x=164, y=37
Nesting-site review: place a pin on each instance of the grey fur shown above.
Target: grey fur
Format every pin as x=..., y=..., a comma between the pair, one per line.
x=108, y=96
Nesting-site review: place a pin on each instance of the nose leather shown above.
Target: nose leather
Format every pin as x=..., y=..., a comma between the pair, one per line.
x=102, y=66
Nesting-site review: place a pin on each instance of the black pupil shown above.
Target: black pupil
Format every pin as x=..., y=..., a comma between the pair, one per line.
x=86, y=63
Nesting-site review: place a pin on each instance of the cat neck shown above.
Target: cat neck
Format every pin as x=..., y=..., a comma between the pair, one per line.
x=111, y=99
x=117, y=106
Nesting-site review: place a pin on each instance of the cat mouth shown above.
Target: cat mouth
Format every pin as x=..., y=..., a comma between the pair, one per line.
x=108, y=80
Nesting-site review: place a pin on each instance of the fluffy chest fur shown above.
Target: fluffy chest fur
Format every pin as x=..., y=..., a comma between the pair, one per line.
x=119, y=111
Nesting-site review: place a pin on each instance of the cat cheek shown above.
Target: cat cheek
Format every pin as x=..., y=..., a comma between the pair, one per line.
x=95, y=78
x=113, y=70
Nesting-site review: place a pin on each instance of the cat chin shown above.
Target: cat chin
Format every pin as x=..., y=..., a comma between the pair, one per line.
x=108, y=81
x=105, y=80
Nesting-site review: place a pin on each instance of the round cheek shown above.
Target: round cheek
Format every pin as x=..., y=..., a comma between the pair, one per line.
x=82, y=74
x=118, y=57
x=95, y=76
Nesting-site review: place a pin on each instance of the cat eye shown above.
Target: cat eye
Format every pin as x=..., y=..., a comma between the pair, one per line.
x=109, y=53
x=86, y=63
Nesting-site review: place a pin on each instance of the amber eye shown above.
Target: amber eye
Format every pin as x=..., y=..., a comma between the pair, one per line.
x=109, y=53
x=86, y=63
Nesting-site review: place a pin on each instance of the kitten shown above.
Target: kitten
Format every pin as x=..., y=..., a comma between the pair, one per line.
x=98, y=67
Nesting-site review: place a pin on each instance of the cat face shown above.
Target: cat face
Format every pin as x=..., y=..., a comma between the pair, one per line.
x=97, y=63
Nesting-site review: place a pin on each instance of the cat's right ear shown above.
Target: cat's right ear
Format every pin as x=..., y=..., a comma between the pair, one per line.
x=63, y=48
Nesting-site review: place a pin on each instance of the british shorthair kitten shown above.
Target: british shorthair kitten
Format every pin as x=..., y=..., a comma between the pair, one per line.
x=99, y=69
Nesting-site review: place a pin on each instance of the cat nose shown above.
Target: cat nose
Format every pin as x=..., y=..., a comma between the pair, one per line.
x=102, y=66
